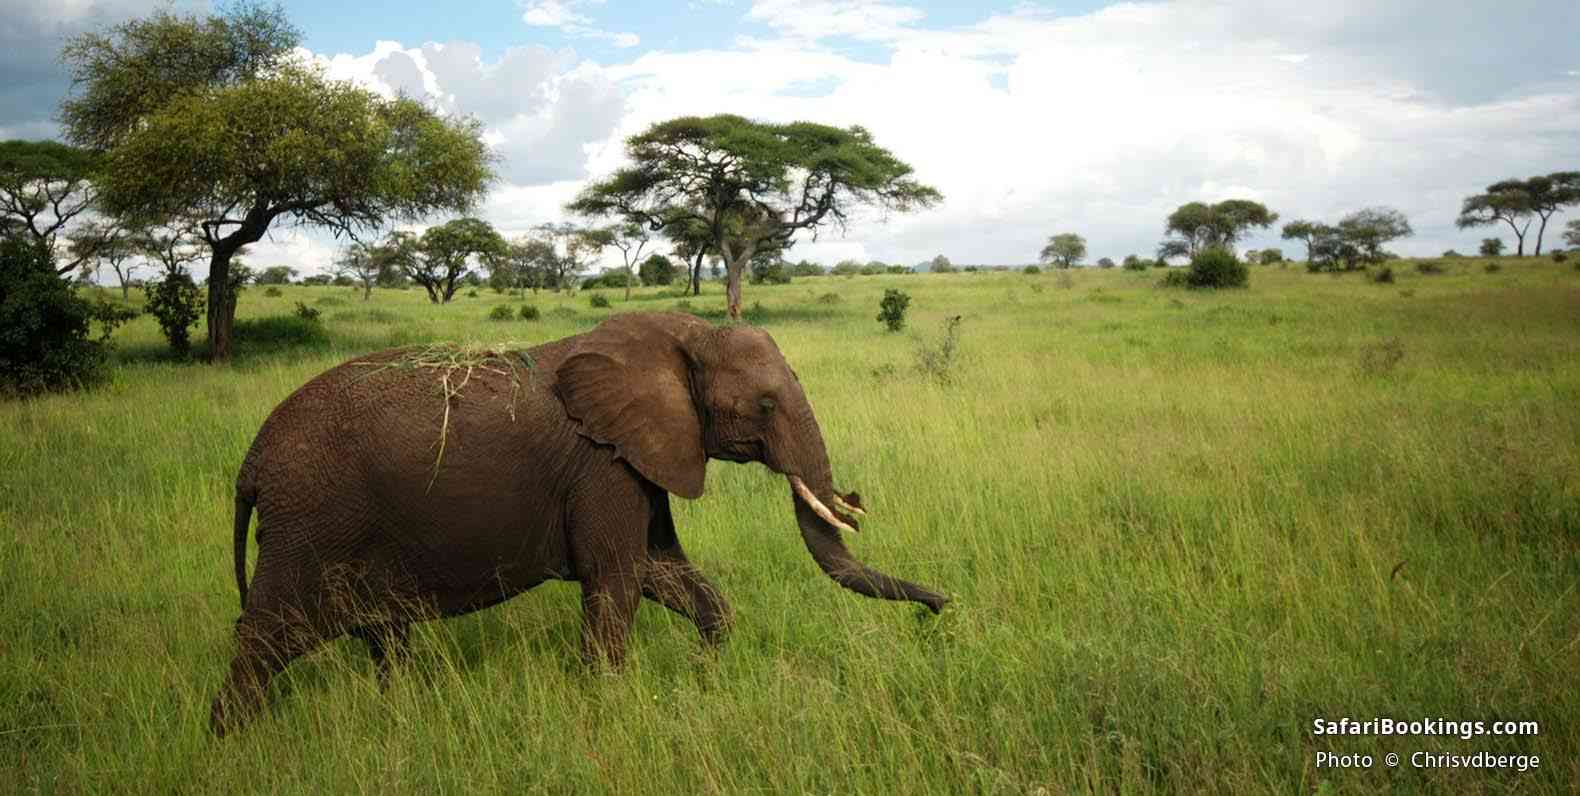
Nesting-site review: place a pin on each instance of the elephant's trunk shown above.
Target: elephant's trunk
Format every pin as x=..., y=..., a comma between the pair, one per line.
x=820, y=526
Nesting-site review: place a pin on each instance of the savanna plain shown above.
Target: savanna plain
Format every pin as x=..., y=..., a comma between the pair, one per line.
x=1176, y=526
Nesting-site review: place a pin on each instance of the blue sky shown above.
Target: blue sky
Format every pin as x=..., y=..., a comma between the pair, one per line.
x=496, y=25
x=1032, y=119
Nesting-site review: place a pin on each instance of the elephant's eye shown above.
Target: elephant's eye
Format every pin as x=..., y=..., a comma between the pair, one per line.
x=767, y=405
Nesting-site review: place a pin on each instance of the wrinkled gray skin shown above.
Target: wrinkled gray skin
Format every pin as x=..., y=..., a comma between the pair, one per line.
x=561, y=473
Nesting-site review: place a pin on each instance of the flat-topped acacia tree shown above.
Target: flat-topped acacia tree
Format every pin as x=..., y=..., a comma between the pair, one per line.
x=751, y=184
x=215, y=117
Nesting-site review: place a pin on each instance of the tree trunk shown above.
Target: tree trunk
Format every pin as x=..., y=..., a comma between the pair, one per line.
x=1540, y=231
x=696, y=274
x=734, y=268
x=221, y=312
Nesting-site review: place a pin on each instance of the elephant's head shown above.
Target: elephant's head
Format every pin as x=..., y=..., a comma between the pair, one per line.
x=669, y=391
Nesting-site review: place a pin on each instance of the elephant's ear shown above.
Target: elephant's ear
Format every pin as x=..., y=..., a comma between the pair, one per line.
x=643, y=408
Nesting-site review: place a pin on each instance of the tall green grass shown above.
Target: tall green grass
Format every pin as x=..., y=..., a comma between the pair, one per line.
x=1177, y=527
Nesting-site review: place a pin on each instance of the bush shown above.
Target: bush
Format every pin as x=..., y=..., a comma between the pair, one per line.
x=177, y=303
x=873, y=269
x=1216, y=267
x=1105, y=262
x=774, y=273
x=806, y=268
x=1383, y=276
x=273, y=292
x=306, y=313
x=1492, y=268
x=1032, y=269
x=1429, y=267
x=502, y=312
x=830, y=298
x=891, y=309
x=846, y=268
x=45, y=325
x=471, y=293
x=1271, y=256
x=899, y=269
x=529, y=312
x=598, y=301
x=1491, y=247
x=1134, y=263
x=281, y=331
x=656, y=270
x=1175, y=277
x=1559, y=256
x=938, y=359
x=1451, y=253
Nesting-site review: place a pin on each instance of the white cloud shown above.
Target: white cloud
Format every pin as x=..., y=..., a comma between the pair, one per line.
x=561, y=14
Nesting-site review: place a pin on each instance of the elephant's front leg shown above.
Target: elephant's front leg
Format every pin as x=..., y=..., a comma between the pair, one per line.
x=675, y=583
x=608, y=535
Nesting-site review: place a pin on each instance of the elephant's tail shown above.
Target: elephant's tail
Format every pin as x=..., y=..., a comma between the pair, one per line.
x=243, y=520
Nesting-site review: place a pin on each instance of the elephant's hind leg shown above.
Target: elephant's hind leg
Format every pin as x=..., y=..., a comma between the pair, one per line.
x=267, y=641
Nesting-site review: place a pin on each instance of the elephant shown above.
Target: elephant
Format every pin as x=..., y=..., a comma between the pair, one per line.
x=421, y=483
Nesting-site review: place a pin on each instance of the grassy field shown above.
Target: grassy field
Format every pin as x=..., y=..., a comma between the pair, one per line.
x=1177, y=527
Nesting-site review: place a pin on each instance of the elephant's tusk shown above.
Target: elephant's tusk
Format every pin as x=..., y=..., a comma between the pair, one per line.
x=817, y=505
x=840, y=504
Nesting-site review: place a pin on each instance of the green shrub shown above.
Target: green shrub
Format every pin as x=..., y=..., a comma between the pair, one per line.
x=1032, y=269
x=307, y=313
x=1175, y=277
x=899, y=269
x=775, y=273
x=176, y=303
x=1451, y=253
x=1559, y=256
x=656, y=270
x=1492, y=268
x=273, y=292
x=1429, y=267
x=45, y=326
x=1216, y=267
x=830, y=298
x=1383, y=276
x=1491, y=247
x=846, y=268
x=806, y=268
x=529, y=312
x=937, y=359
x=1272, y=256
x=471, y=293
x=1134, y=263
x=891, y=309
x=1105, y=262
x=598, y=301
x=501, y=312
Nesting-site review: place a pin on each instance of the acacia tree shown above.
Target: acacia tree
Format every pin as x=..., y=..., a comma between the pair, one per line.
x=441, y=257
x=1306, y=231
x=172, y=243
x=629, y=238
x=44, y=187
x=106, y=242
x=1545, y=195
x=1572, y=232
x=1369, y=229
x=1505, y=201
x=214, y=117
x=1064, y=250
x=1200, y=226
x=363, y=263
x=751, y=184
